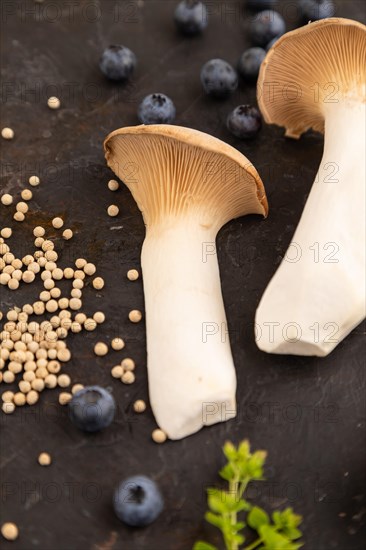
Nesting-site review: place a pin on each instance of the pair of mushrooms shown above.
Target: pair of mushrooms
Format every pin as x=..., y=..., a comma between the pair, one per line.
x=188, y=185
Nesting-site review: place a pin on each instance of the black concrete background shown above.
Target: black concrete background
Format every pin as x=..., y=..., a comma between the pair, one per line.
x=309, y=413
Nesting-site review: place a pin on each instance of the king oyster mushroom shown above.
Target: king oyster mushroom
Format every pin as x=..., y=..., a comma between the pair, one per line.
x=187, y=185
x=317, y=295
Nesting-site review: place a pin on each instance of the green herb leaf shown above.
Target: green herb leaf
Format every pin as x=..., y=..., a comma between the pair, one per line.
x=216, y=500
x=244, y=449
x=257, y=517
x=229, y=451
x=224, y=506
x=275, y=541
x=200, y=545
x=292, y=533
x=227, y=472
x=214, y=519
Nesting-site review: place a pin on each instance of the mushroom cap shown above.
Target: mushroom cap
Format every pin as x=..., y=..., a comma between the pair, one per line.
x=172, y=170
x=307, y=69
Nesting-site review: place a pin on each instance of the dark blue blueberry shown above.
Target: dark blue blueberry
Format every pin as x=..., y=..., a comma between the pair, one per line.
x=117, y=63
x=218, y=78
x=156, y=109
x=191, y=16
x=250, y=62
x=261, y=4
x=312, y=10
x=244, y=122
x=138, y=501
x=273, y=41
x=92, y=409
x=265, y=26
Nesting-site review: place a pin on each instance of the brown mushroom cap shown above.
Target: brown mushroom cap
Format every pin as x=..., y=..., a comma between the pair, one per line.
x=173, y=170
x=306, y=69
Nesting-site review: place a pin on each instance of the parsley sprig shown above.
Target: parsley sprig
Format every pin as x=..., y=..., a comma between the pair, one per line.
x=277, y=532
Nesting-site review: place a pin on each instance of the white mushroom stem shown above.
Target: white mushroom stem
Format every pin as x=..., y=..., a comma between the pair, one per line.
x=317, y=295
x=192, y=379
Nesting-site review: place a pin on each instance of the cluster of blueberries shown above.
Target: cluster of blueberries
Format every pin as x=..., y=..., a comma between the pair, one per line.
x=219, y=79
x=137, y=500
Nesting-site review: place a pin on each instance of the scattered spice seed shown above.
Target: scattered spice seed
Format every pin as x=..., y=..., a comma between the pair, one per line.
x=135, y=316
x=116, y=372
x=132, y=274
x=57, y=223
x=128, y=364
x=113, y=185
x=44, y=459
x=98, y=283
x=79, y=277
x=26, y=194
x=76, y=388
x=39, y=231
x=34, y=181
x=63, y=380
x=6, y=232
x=8, y=396
x=99, y=317
x=100, y=348
x=28, y=276
x=89, y=269
x=22, y=207
x=68, y=273
x=117, y=344
x=80, y=263
x=159, y=436
x=50, y=381
x=139, y=406
x=80, y=318
x=9, y=531
x=47, y=245
x=7, y=133
x=75, y=303
x=64, y=398
x=19, y=399
x=53, y=102
x=6, y=199
x=67, y=234
x=24, y=386
x=75, y=292
x=13, y=284
x=32, y=397
x=8, y=408
x=128, y=377
x=113, y=210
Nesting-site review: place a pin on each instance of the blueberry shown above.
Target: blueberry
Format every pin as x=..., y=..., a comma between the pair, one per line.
x=156, y=109
x=265, y=26
x=244, y=121
x=261, y=4
x=117, y=63
x=250, y=62
x=138, y=501
x=312, y=10
x=191, y=16
x=92, y=409
x=218, y=78
x=273, y=41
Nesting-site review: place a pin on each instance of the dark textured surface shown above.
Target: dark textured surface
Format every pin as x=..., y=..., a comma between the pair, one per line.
x=308, y=413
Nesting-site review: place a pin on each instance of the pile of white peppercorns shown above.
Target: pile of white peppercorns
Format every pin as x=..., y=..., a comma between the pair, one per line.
x=35, y=347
